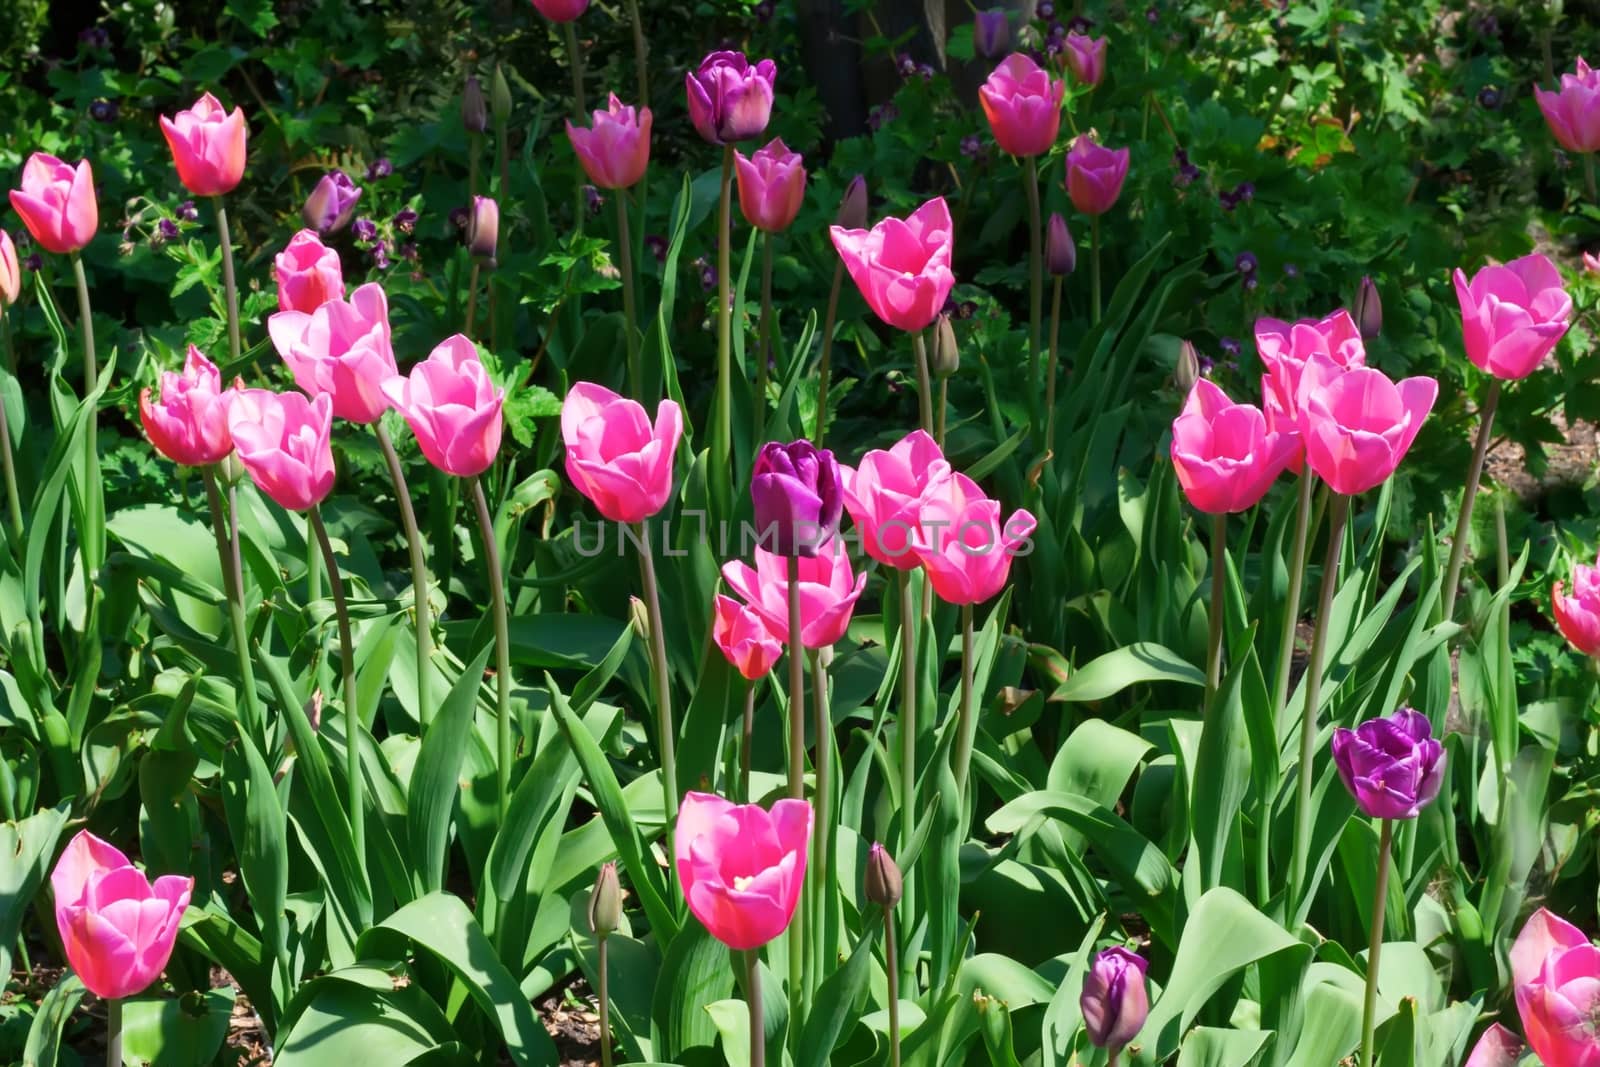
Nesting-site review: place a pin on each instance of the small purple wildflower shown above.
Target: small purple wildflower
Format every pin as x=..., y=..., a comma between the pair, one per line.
x=365, y=230
x=104, y=111
x=1245, y=263
x=405, y=220
x=168, y=230
x=657, y=245
x=379, y=168
x=592, y=199
x=188, y=212
x=1229, y=345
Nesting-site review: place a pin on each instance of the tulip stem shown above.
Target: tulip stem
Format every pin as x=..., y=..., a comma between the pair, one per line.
x=658, y=667
x=1219, y=603
x=640, y=52
x=908, y=729
x=940, y=411
x=1291, y=602
x=472, y=297
x=824, y=812
x=352, y=714
x=919, y=351
x=797, y=761
x=1375, y=944
x=419, y=574
x=722, y=416
x=891, y=969
x=625, y=255
x=752, y=992
x=1458, y=544
x=1588, y=177
x=1050, y=373
x=746, y=739
x=966, y=727
x=1094, y=269
x=764, y=344
x=229, y=286
x=502, y=648
x=575, y=60
x=824, y=365
x=113, y=1033
x=1338, y=513
x=604, y=996
x=1030, y=176
x=91, y=541
x=13, y=500
x=232, y=582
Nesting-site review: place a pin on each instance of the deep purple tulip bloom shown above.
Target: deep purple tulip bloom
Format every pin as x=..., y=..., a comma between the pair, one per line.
x=1393, y=767
x=798, y=497
x=331, y=203
x=729, y=99
x=1115, y=1002
x=991, y=32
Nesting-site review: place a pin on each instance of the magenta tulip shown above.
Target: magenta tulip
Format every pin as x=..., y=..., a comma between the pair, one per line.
x=729, y=99
x=828, y=590
x=743, y=637
x=1578, y=615
x=1556, y=979
x=453, y=408
x=1023, y=105
x=1095, y=175
x=1356, y=424
x=1573, y=111
x=742, y=867
x=772, y=186
x=614, y=456
x=1543, y=935
x=10, y=272
x=1513, y=315
x=1498, y=1047
x=962, y=542
x=1086, y=58
x=561, y=10
x=117, y=927
x=1114, y=1001
x=1392, y=766
x=902, y=266
x=1284, y=348
x=342, y=349
x=284, y=442
x=1225, y=456
x=615, y=151
x=208, y=146
x=797, y=496
x=884, y=496
x=189, y=423
x=57, y=203
x=309, y=274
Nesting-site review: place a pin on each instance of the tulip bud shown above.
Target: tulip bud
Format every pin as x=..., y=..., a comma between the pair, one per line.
x=1115, y=1002
x=639, y=617
x=500, y=96
x=1188, y=370
x=946, y=354
x=483, y=229
x=883, y=882
x=474, y=112
x=991, y=32
x=853, y=207
x=605, y=902
x=1060, y=253
x=1369, y=309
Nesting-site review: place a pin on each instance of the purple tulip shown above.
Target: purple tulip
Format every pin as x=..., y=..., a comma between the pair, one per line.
x=729, y=99
x=1060, y=254
x=483, y=229
x=1369, y=309
x=1393, y=767
x=798, y=497
x=991, y=32
x=331, y=203
x=1115, y=1001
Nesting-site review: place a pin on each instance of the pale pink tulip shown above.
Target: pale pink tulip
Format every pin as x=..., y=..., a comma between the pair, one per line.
x=1578, y=615
x=1023, y=105
x=57, y=203
x=615, y=151
x=1513, y=315
x=1225, y=456
x=772, y=186
x=1086, y=58
x=743, y=637
x=614, y=456
x=1556, y=979
x=1573, y=111
x=902, y=266
x=1284, y=348
x=1498, y=1047
x=1356, y=424
x=741, y=866
x=309, y=273
x=208, y=146
x=453, y=408
x=342, y=350
x=827, y=586
x=284, y=442
x=189, y=422
x=1095, y=175
x=961, y=541
x=884, y=496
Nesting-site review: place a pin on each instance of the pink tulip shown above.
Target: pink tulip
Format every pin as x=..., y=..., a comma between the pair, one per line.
x=884, y=496
x=616, y=150
x=1556, y=978
x=902, y=266
x=614, y=456
x=208, y=146
x=962, y=543
x=1284, y=348
x=1544, y=934
x=1513, y=315
x=1225, y=456
x=57, y=203
x=741, y=866
x=828, y=591
x=744, y=639
x=561, y=10
x=1357, y=424
x=1591, y=263
x=1094, y=175
x=772, y=186
x=1086, y=58
x=189, y=424
x=453, y=408
x=341, y=349
x=10, y=272
x=309, y=274
x=1573, y=111
x=729, y=98
x=1578, y=615
x=1498, y=1047
x=284, y=442
x=117, y=927
x=1023, y=105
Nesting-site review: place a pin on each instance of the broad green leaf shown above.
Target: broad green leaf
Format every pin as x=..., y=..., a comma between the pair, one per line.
x=258, y=826
x=343, y=1022
x=1208, y=1046
x=1115, y=671
x=28, y=847
x=436, y=779
x=44, y=1036
x=696, y=972
x=182, y=1031
x=835, y=1004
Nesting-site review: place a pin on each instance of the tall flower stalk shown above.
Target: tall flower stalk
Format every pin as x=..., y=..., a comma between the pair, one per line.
x=665, y=726
x=630, y=316
x=13, y=498
x=229, y=287
x=419, y=575
x=1219, y=603
x=354, y=782
x=1380, y=899
x=502, y=647
x=1469, y=494
x=1030, y=177
x=233, y=583
x=91, y=542
x=722, y=416
x=1291, y=601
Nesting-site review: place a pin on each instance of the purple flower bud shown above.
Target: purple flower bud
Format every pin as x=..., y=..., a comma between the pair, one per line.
x=458, y=217
x=853, y=205
x=764, y=11
x=1152, y=16
x=168, y=230
x=1393, y=767
x=1080, y=24
x=1115, y=1002
x=1368, y=309
x=593, y=200
x=1245, y=263
x=991, y=32
x=380, y=255
x=1044, y=10
x=408, y=251
x=331, y=203
x=971, y=146
x=879, y=116
x=883, y=884
x=1057, y=31
x=483, y=230
x=926, y=71
x=379, y=168
x=188, y=212
x=798, y=497
x=95, y=37
x=1489, y=98
x=474, y=108
x=405, y=220
x=657, y=245
x=104, y=110
x=1250, y=283
x=1060, y=253
x=34, y=262
x=1229, y=345
x=905, y=65
x=1291, y=271
x=365, y=230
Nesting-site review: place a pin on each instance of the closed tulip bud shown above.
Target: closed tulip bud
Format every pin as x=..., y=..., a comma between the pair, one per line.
x=10, y=272
x=946, y=353
x=605, y=902
x=1188, y=370
x=483, y=229
x=1060, y=252
x=1115, y=1002
x=853, y=207
x=331, y=204
x=991, y=32
x=883, y=883
x=474, y=110
x=1369, y=309
x=639, y=617
x=500, y=96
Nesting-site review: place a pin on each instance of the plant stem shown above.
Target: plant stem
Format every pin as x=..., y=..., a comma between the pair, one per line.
x=1588, y=178
x=919, y=351
x=764, y=343
x=1469, y=495
x=419, y=574
x=892, y=972
x=658, y=667
x=13, y=499
x=1030, y=177
x=821, y=825
x=472, y=298
x=1339, y=512
x=908, y=713
x=90, y=541
x=823, y=366
x=722, y=414
x=575, y=61
x=113, y=1033
x=966, y=726
x=746, y=738
x=1380, y=899
x=502, y=649
x=797, y=761
x=640, y=52
x=229, y=287
x=604, y=995
x=234, y=586
x=352, y=714
x=940, y=411
x=1094, y=269
x=625, y=254
x=752, y=992
x=1291, y=603
x=1050, y=373
x=1219, y=603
